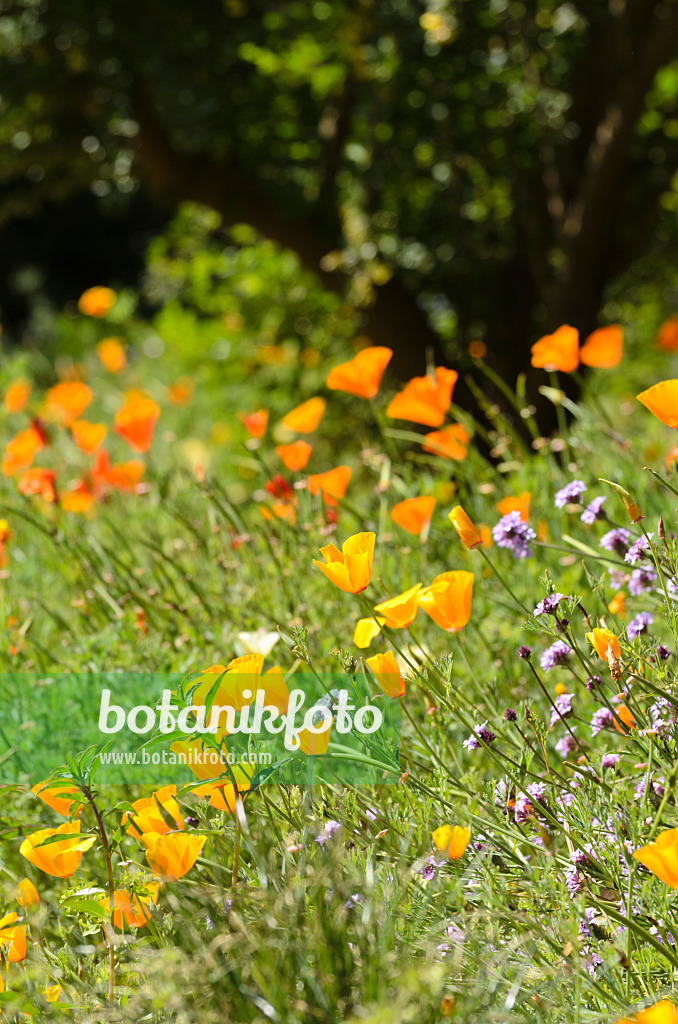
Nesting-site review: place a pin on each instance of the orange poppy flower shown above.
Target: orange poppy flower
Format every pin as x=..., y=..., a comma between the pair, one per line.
x=385, y=670
x=366, y=630
x=134, y=910
x=557, y=351
x=351, y=568
x=661, y=857
x=452, y=840
x=135, y=421
x=61, y=858
x=255, y=423
x=16, y=395
x=21, y=450
x=603, y=348
x=305, y=417
x=667, y=335
x=295, y=455
x=67, y=401
x=112, y=353
x=662, y=400
x=79, y=499
x=618, y=604
x=123, y=476
x=26, y=893
x=332, y=484
x=222, y=797
x=469, y=533
x=425, y=399
x=60, y=796
x=88, y=436
x=41, y=482
x=181, y=392
x=151, y=813
x=515, y=503
x=602, y=640
x=663, y=1012
x=448, y=599
x=361, y=375
x=315, y=744
x=172, y=854
x=97, y=301
x=400, y=611
x=15, y=935
x=625, y=715
x=448, y=443
x=414, y=514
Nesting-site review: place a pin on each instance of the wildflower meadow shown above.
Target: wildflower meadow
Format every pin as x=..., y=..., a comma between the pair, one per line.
x=510, y=851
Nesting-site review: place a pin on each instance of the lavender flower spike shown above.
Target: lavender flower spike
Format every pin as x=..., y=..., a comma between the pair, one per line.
x=570, y=493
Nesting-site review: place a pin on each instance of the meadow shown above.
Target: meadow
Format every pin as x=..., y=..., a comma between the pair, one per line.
x=209, y=492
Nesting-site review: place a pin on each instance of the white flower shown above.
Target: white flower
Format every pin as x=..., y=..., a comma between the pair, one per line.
x=260, y=642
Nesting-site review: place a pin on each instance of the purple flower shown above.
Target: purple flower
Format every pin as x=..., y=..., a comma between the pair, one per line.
x=430, y=867
x=573, y=881
x=549, y=605
x=592, y=683
x=512, y=533
x=639, y=625
x=593, y=511
x=570, y=493
x=329, y=830
x=480, y=732
x=610, y=760
x=555, y=655
x=660, y=715
x=601, y=719
x=562, y=708
x=663, y=653
x=616, y=540
x=510, y=715
x=641, y=580
x=524, y=652
x=638, y=549
x=617, y=578
x=565, y=746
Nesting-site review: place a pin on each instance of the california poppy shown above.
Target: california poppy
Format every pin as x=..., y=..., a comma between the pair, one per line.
x=17, y=395
x=351, y=568
x=425, y=399
x=516, y=503
x=603, y=348
x=366, y=630
x=414, y=514
x=618, y=604
x=662, y=400
x=78, y=499
x=295, y=455
x=26, y=893
x=448, y=443
x=223, y=797
x=59, y=795
x=602, y=640
x=15, y=935
x=151, y=813
x=468, y=532
x=448, y=599
x=131, y=908
x=557, y=351
x=331, y=484
x=667, y=335
x=386, y=672
x=663, y=1012
x=135, y=421
x=315, y=744
x=361, y=375
x=181, y=392
x=88, y=436
x=626, y=719
x=123, y=476
x=97, y=301
x=255, y=423
x=305, y=418
x=60, y=858
x=39, y=482
x=661, y=857
x=66, y=401
x=400, y=611
x=21, y=450
x=452, y=840
x=111, y=352
x=172, y=854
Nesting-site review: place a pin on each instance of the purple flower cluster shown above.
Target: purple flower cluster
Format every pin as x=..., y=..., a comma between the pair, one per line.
x=638, y=549
x=512, y=533
x=593, y=511
x=570, y=493
x=610, y=760
x=549, y=605
x=565, y=746
x=641, y=580
x=639, y=625
x=329, y=830
x=480, y=732
x=556, y=654
x=601, y=719
x=616, y=540
x=562, y=708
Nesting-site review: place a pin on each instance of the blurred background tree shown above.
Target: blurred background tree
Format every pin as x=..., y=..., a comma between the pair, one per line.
x=456, y=169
